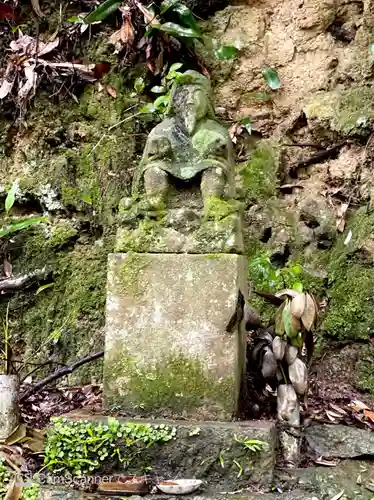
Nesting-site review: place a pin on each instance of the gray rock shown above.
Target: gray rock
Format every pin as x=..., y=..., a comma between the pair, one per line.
x=340, y=441
x=168, y=351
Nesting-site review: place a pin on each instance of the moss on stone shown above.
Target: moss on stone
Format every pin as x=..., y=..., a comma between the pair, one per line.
x=65, y=321
x=131, y=272
x=172, y=386
x=349, y=111
x=217, y=208
x=351, y=277
x=260, y=173
x=364, y=369
x=141, y=239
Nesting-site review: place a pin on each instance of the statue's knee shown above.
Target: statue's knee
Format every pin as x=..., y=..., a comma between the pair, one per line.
x=213, y=181
x=155, y=180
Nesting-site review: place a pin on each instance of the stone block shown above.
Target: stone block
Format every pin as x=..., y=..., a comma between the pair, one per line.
x=168, y=350
x=214, y=452
x=339, y=441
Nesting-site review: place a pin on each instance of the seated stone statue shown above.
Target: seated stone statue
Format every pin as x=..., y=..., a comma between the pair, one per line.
x=187, y=142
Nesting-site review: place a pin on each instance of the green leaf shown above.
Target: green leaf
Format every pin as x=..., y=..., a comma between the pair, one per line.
x=174, y=67
x=178, y=31
x=298, y=286
x=102, y=11
x=19, y=225
x=271, y=77
x=246, y=122
x=148, y=108
x=87, y=198
x=287, y=320
x=297, y=269
x=76, y=19
x=44, y=287
x=157, y=89
x=226, y=52
x=161, y=103
x=186, y=17
x=11, y=196
x=167, y=4
x=139, y=84
x=261, y=96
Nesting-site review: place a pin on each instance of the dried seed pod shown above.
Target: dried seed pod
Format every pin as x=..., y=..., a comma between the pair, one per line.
x=310, y=313
x=269, y=364
x=298, y=305
x=299, y=376
x=279, y=348
x=291, y=354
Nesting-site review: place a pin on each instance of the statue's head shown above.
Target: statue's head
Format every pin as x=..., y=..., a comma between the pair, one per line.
x=191, y=99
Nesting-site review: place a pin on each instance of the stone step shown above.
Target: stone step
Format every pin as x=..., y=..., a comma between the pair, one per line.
x=212, y=451
x=61, y=494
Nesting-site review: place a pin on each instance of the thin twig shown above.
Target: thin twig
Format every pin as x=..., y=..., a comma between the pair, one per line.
x=114, y=126
x=14, y=284
x=61, y=372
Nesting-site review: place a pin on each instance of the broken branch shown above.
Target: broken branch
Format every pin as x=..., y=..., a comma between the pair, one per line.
x=13, y=284
x=61, y=372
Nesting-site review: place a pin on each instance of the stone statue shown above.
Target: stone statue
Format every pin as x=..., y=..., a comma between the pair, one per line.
x=188, y=144
x=189, y=141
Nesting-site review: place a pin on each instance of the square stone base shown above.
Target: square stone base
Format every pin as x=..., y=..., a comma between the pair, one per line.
x=168, y=352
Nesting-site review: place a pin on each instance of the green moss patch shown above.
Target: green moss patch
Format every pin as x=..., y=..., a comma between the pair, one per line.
x=172, y=386
x=351, y=276
x=260, y=173
x=349, y=111
x=364, y=369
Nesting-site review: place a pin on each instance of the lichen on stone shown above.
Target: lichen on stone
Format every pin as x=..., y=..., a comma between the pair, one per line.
x=348, y=111
x=173, y=385
x=130, y=273
x=260, y=173
x=351, y=280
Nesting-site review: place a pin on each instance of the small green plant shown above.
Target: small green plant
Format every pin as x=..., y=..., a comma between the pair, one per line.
x=161, y=103
x=253, y=445
x=269, y=277
x=13, y=226
x=5, y=477
x=271, y=77
x=194, y=432
x=31, y=492
x=82, y=447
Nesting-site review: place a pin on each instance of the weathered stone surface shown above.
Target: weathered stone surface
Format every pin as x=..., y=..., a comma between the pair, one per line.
x=168, y=351
x=68, y=495
x=177, y=233
x=352, y=476
x=340, y=441
x=210, y=451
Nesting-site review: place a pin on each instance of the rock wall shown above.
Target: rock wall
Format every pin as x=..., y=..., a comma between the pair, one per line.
x=317, y=214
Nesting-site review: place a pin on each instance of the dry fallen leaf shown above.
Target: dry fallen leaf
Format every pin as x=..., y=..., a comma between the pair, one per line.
x=369, y=414
x=298, y=305
x=358, y=406
x=111, y=91
x=338, y=409
x=14, y=491
x=339, y=495
x=328, y=462
x=36, y=7
x=310, y=314
x=340, y=221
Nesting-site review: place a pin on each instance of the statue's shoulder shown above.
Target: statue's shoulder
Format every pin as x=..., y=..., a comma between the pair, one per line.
x=215, y=127
x=163, y=128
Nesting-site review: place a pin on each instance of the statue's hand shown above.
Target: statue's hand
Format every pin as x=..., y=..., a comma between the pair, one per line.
x=159, y=147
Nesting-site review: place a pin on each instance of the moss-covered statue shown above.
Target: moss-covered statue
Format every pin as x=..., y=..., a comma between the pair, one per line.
x=189, y=141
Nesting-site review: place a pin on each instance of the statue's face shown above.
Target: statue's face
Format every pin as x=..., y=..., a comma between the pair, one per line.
x=191, y=101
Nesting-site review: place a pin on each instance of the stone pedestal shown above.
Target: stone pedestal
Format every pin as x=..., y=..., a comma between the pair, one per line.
x=168, y=349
